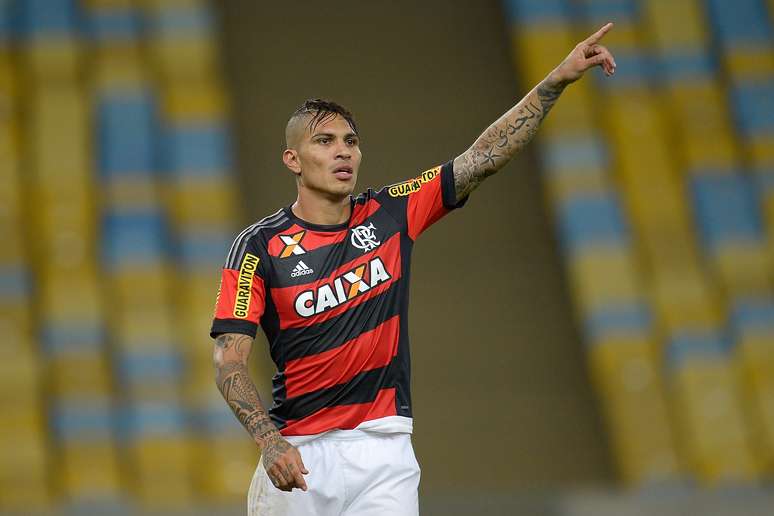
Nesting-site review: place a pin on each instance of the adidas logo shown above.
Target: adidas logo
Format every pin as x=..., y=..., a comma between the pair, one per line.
x=301, y=270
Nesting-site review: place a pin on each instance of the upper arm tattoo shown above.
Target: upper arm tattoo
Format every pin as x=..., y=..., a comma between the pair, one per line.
x=503, y=139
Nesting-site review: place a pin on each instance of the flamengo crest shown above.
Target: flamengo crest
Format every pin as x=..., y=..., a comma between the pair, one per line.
x=363, y=237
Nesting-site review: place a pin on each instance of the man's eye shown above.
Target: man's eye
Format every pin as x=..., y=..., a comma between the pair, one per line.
x=324, y=140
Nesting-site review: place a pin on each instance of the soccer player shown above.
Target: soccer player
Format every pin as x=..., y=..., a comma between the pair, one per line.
x=327, y=278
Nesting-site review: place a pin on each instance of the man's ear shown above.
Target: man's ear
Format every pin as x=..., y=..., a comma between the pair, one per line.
x=290, y=159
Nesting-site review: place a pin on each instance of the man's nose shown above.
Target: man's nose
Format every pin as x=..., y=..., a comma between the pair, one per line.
x=343, y=152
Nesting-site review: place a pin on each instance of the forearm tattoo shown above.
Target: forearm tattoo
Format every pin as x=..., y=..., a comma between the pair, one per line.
x=239, y=391
x=504, y=139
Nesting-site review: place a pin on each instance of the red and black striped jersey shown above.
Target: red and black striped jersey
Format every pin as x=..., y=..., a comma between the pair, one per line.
x=333, y=303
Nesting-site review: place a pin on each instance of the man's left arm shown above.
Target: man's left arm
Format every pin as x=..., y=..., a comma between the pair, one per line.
x=511, y=132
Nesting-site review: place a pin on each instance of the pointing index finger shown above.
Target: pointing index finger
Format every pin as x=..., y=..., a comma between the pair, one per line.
x=594, y=38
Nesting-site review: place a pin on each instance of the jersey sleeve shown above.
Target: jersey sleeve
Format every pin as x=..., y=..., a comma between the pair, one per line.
x=241, y=297
x=419, y=202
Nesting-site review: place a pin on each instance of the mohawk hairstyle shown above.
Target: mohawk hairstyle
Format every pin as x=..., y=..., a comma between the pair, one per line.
x=322, y=110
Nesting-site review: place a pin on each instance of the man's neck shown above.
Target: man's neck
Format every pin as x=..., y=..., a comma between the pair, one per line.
x=321, y=211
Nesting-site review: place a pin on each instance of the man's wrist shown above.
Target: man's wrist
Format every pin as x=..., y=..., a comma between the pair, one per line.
x=555, y=82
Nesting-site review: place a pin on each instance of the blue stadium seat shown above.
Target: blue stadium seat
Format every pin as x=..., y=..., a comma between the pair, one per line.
x=111, y=25
x=202, y=149
x=692, y=344
x=622, y=319
x=753, y=105
x=755, y=314
x=686, y=65
x=131, y=239
x=201, y=248
x=726, y=209
x=176, y=21
x=537, y=11
x=48, y=18
x=577, y=151
x=151, y=366
x=7, y=21
x=127, y=133
x=145, y=419
x=740, y=23
x=600, y=11
x=72, y=337
x=83, y=419
x=591, y=219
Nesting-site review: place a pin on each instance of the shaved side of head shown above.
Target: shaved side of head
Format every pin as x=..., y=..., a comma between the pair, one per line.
x=294, y=131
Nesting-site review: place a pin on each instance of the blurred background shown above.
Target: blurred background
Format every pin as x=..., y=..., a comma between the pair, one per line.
x=592, y=334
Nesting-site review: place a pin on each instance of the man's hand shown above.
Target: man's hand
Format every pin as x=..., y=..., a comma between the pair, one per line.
x=283, y=464
x=586, y=54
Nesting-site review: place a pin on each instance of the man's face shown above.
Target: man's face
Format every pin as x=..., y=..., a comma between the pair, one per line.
x=328, y=157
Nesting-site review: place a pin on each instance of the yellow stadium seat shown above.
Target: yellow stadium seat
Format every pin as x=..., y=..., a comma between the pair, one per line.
x=60, y=138
x=711, y=421
x=152, y=327
x=16, y=322
x=187, y=207
x=603, y=276
x=224, y=465
x=576, y=115
x=641, y=148
x=119, y=67
x=749, y=63
x=716, y=154
x=161, y=472
x=534, y=47
x=684, y=299
x=132, y=194
x=20, y=377
x=627, y=377
x=88, y=470
x=743, y=268
x=760, y=151
x=756, y=352
x=658, y=204
x=194, y=101
x=700, y=115
x=567, y=183
x=137, y=287
x=25, y=420
x=676, y=24
x=108, y=4
x=178, y=58
x=80, y=373
x=52, y=59
x=67, y=298
x=8, y=85
x=24, y=474
x=767, y=213
x=65, y=235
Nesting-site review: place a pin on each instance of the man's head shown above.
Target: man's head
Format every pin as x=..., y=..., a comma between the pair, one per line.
x=323, y=148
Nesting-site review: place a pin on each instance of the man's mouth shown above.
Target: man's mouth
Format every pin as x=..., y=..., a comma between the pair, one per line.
x=343, y=172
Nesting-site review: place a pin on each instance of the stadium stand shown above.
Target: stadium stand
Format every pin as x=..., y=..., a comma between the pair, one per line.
x=663, y=207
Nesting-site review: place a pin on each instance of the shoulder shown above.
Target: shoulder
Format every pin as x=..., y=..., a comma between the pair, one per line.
x=248, y=239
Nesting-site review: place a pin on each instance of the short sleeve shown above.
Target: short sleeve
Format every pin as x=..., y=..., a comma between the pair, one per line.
x=241, y=298
x=423, y=200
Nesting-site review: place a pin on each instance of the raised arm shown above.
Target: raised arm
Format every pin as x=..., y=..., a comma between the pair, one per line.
x=511, y=132
x=280, y=459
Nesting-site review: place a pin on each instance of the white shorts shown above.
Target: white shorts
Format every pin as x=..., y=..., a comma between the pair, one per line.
x=351, y=472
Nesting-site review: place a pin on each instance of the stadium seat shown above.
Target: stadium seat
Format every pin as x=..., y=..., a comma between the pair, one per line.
x=24, y=473
x=702, y=121
x=127, y=133
x=586, y=221
x=709, y=414
x=604, y=275
x=753, y=328
x=626, y=374
x=684, y=299
x=180, y=40
x=729, y=222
